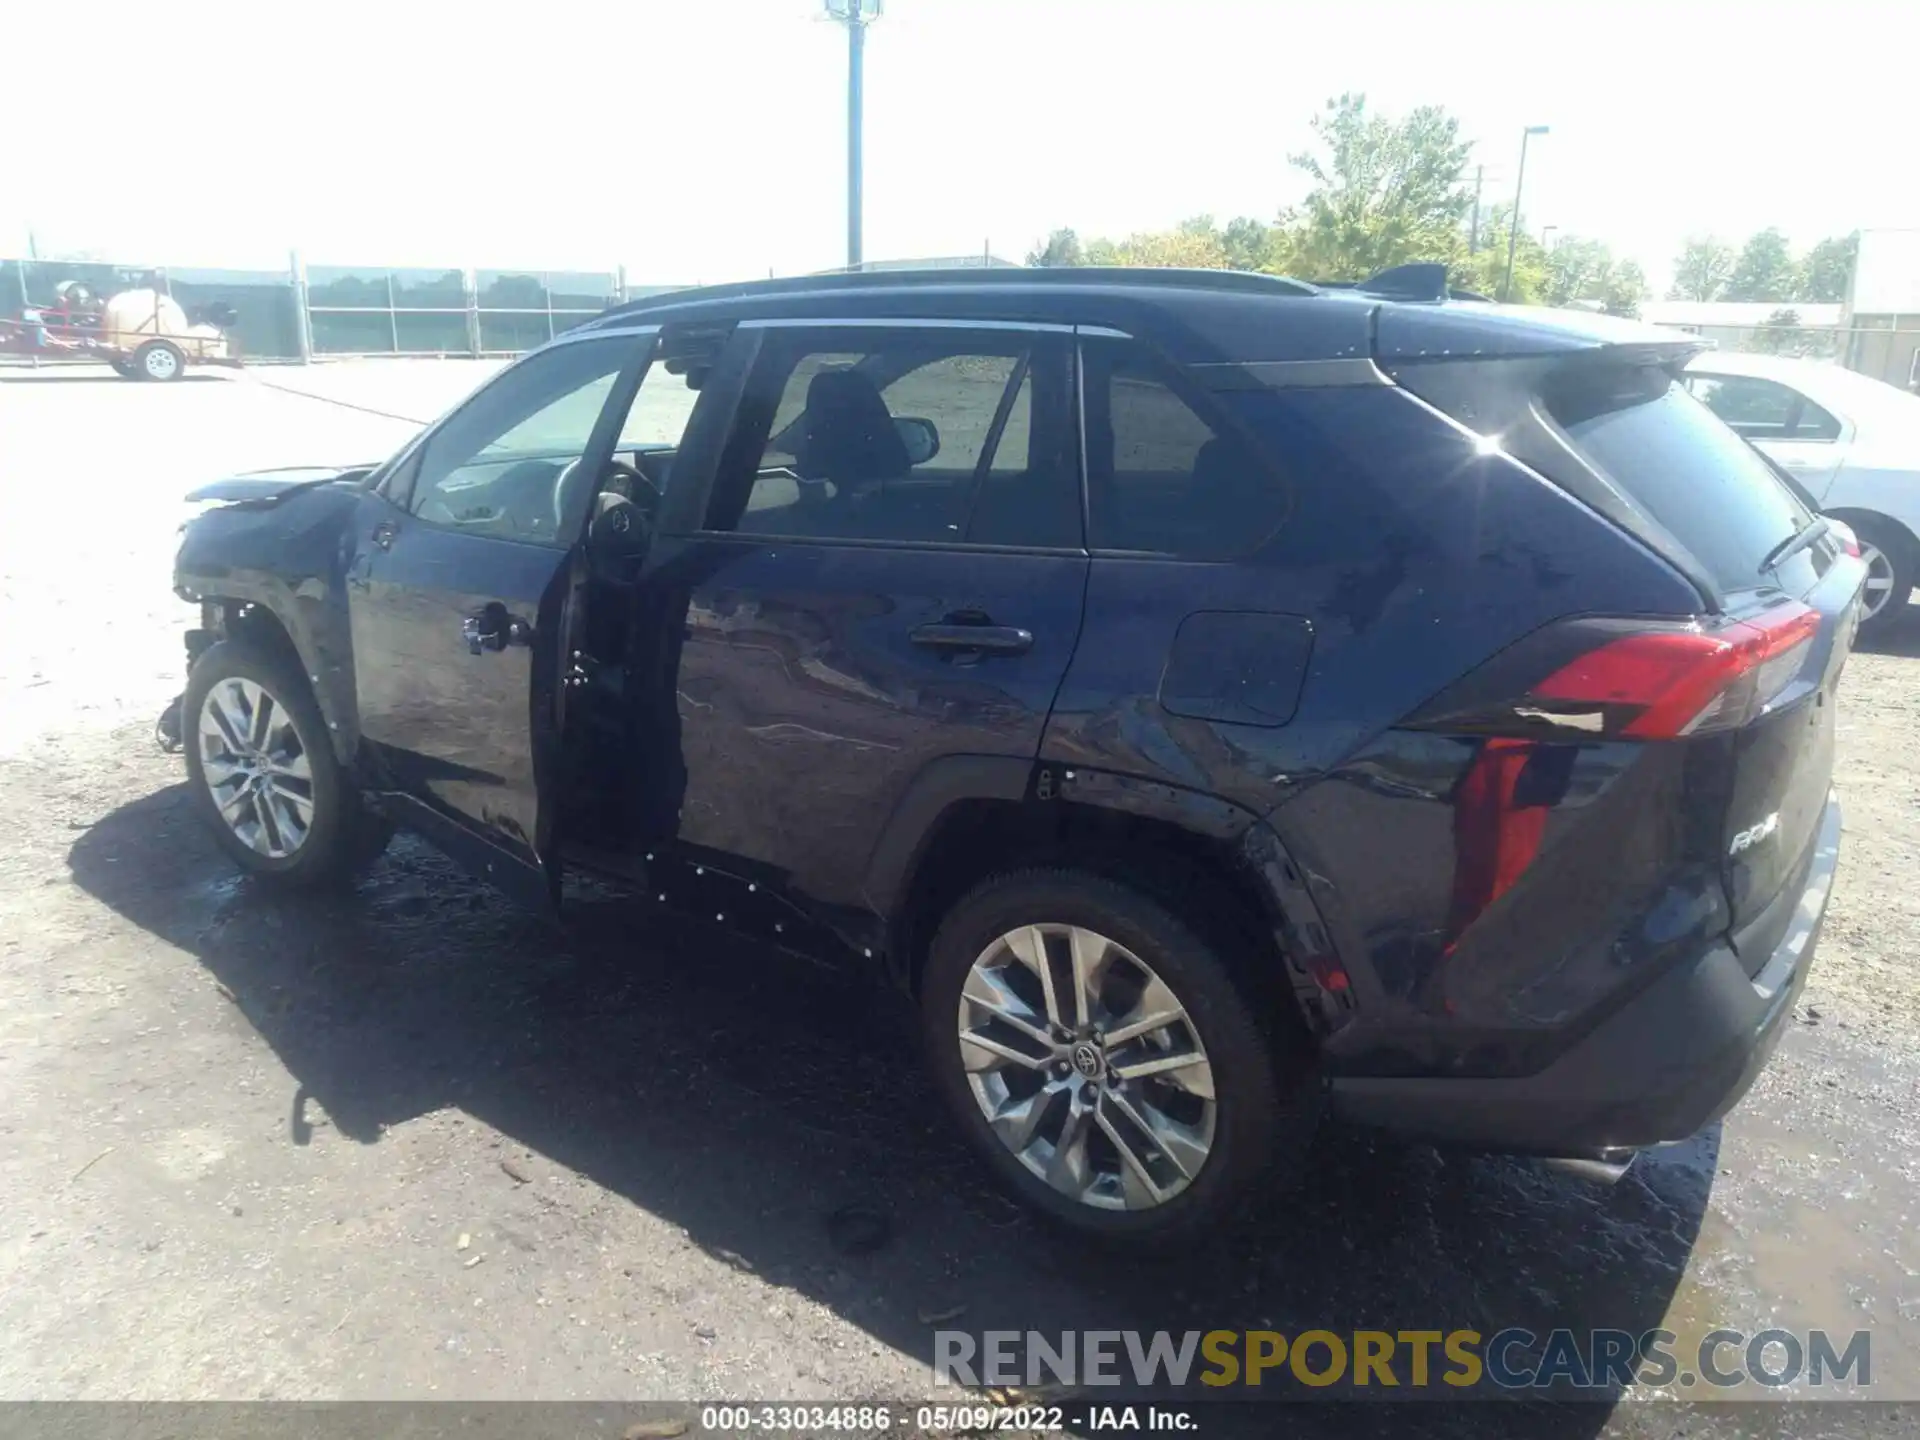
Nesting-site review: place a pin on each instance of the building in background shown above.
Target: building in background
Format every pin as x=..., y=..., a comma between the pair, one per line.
x=1883, y=307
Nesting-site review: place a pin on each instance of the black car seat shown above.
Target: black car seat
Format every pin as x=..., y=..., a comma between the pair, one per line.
x=1230, y=492
x=847, y=437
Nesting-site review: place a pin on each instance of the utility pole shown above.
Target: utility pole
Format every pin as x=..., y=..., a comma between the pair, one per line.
x=1473, y=235
x=1513, y=220
x=856, y=15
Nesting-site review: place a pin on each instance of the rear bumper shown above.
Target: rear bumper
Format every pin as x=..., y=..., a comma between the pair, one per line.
x=1676, y=1058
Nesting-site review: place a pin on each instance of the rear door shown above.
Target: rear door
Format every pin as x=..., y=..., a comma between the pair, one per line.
x=886, y=571
x=460, y=609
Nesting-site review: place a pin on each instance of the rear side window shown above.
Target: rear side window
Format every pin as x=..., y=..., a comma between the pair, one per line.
x=1163, y=477
x=1679, y=465
x=925, y=436
x=1763, y=409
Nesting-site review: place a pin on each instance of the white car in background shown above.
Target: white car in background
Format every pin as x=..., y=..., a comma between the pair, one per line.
x=1851, y=442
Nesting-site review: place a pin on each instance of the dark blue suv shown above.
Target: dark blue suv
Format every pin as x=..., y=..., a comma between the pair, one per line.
x=1217, y=699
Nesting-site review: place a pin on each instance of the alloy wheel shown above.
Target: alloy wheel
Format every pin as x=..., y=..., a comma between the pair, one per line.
x=255, y=767
x=1087, y=1066
x=1879, y=586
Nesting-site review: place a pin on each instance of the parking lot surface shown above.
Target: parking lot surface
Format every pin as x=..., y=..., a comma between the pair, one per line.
x=414, y=1143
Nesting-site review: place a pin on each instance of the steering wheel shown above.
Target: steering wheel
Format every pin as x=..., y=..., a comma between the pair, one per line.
x=644, y=493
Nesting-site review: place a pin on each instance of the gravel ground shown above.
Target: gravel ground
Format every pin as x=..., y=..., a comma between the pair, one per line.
x=412, y=1143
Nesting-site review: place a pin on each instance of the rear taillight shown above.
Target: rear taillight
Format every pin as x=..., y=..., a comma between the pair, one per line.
x=1621, y=679
x=1687, y=681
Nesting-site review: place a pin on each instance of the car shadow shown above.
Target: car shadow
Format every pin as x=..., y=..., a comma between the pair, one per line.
x=1900, y=636
x=752, y=1102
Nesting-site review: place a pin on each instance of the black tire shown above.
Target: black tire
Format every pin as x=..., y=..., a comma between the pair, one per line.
x=344, y=836
x=159, y=360
x=125, y=369
x=1259, y=1115
x=1896, y=544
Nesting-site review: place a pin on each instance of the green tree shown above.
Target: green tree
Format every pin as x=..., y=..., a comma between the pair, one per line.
x=1784, y=333
x=1576, y=268
x=1062, y=247
x=1385, y=192
x=1484, y=272
x=1779, y=333
x=1703, y=269
x=1765, y=270
x=1623, y=290
x=1248, y=243
x=1828, y=268
x=1192, y=245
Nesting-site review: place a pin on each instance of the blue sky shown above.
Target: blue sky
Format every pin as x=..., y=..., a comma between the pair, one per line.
x=704, y=139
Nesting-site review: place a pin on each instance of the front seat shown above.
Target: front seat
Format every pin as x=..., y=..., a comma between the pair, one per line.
x=848, y=437
x=1230, y=492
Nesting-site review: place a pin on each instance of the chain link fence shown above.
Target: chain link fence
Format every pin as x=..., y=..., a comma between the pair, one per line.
x=1886, y=347
x=302, y=312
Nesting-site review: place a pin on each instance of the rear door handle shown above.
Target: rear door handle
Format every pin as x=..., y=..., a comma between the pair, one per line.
x=974, y=639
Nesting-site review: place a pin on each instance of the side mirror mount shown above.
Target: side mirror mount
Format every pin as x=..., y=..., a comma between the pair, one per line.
x=921, y=437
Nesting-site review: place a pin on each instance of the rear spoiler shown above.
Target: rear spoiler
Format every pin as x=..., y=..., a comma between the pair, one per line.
x=1422, y=280
x=1410, y=335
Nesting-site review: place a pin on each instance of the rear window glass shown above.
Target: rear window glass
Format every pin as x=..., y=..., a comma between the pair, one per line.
x=1681, y=466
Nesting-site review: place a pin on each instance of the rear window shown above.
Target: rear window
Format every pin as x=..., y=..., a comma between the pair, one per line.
x=1680, y=465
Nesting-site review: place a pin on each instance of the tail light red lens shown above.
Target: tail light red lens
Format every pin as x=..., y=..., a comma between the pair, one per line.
x=1683, y=682
x=1622, y=679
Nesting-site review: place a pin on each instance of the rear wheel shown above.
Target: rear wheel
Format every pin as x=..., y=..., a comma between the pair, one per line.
x=1101, y=1059
x=159, y=360
x=263, y=773
x=125, y=369
x=1888, y=553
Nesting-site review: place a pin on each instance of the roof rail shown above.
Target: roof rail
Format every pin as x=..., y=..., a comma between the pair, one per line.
x=1238, y=281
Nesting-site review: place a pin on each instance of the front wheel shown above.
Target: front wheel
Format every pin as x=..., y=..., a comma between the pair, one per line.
x=263, y=773
x=1101, y=1059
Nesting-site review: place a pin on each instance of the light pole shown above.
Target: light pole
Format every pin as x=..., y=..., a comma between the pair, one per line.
x=1513, y=221
x=856, y=15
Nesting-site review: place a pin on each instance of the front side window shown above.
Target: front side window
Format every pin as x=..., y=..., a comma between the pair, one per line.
x=1163, y=479
x=501, y=465
x=905, y=435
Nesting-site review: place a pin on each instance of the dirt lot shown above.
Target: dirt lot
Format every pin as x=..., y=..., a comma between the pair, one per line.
x=413, y=1143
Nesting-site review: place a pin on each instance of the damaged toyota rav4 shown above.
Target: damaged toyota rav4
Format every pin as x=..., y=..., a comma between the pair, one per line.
x=1219, y=701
